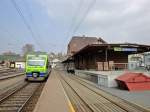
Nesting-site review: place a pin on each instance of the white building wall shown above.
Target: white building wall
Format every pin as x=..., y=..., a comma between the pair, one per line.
x=20, y=65
x=105, y=78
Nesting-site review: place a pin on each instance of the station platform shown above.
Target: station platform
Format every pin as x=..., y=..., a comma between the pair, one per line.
x=53, y=97
x=106, y=78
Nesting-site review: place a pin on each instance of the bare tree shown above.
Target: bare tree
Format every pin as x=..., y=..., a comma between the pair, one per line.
x=9, y=53
x=59, y=56
x=27, y=48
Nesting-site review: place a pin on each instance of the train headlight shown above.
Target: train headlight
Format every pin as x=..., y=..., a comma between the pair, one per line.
x=35, y=75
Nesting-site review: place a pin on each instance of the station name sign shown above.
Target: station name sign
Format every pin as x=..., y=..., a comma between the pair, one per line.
x=125, y=49
x=36, y=58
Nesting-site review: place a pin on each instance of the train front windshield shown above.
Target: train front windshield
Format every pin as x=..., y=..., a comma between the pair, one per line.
x=36, y=62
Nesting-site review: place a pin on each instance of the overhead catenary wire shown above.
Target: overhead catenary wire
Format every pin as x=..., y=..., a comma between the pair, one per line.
x=28, y=9
x=30, y=15
x=52, y=23
x=25, y=22
x=90, y=6
x=73, y=20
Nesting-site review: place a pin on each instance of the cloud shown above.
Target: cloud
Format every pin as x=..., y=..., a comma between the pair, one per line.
x=115, y=20
x=119, y=22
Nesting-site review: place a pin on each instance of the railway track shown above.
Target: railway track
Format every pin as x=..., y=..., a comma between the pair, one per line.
x=87, y=98
x=15, y=100
x=96, y=89
x=8, y=76
x=114, y=99
x=77, y=102
x=4, y=68
x=4, y=92
x=2, y=73
x=7, y=70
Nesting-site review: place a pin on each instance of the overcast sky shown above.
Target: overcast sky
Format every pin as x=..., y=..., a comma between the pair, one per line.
x=54, y=22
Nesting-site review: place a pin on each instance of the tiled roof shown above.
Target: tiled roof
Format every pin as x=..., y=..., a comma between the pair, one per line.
x=78, y=43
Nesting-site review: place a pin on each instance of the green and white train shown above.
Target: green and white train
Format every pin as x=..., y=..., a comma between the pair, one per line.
x=37, y=67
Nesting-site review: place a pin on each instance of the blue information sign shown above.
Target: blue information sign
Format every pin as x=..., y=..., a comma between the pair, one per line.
x=125, y=49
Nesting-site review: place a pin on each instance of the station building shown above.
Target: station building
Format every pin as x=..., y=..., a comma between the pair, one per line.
x=91, y=53
x=102, y=62
x=107, y=56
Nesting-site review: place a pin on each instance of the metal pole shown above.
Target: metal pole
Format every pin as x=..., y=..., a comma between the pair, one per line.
x=106, y=55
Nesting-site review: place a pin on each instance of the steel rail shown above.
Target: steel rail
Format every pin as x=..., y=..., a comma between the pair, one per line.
x=118, y=104
x=25, y=103
x=13, y=92
x=10, y=76
x=86, y=105
x=25, y=93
